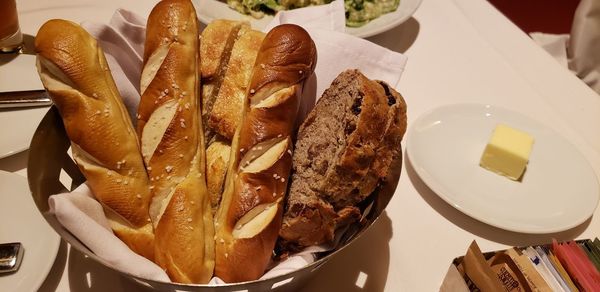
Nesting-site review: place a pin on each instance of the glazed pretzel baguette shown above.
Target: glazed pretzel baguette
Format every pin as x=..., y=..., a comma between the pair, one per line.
x=249, y=216
x=170, y=130
x=74, y=71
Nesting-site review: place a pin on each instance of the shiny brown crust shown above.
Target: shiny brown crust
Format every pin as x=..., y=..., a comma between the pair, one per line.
x=260, y=161
x=170, y=129
x=74, y=71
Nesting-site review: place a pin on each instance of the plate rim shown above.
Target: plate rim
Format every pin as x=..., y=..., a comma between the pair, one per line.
x=439, y=188
x=53, y=242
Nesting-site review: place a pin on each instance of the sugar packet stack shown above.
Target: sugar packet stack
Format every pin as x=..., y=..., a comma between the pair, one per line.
x=122, y=40
x=566, y=266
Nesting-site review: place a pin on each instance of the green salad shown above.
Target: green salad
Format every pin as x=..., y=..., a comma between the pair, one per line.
x=358, y=12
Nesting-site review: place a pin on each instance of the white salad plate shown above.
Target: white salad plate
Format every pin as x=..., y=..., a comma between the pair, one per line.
x=20, y=221
x=209, y=10
x=558, y=191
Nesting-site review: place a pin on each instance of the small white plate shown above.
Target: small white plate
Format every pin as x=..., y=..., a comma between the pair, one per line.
x=558, y=191
x=18, y=126
x=209, y=10
x=20, y=221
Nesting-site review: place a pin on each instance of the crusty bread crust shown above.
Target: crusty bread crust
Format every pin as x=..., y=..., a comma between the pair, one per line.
x=366, y=121
x=216, y=43
x=225, y=114
x=389, y=149
x=342, y=179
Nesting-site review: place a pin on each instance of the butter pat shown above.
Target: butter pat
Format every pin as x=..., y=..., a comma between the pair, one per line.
x=507, y=152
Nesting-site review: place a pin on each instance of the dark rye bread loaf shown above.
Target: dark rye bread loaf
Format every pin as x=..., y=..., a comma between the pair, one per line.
x=344, y=149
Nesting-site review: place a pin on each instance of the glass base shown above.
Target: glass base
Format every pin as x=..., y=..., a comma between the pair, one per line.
x=12, y=44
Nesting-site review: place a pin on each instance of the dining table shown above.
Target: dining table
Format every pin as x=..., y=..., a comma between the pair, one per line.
x=459, y=51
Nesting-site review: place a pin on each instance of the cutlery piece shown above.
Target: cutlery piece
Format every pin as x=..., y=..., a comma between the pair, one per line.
x=29, y=98
x=11, y=255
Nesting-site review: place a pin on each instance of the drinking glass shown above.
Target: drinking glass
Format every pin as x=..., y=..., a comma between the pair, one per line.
x=11, y=38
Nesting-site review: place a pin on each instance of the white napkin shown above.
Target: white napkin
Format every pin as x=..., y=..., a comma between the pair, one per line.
x=578, y=51
x=584, y=44
x=553, y=44
x=122, y=41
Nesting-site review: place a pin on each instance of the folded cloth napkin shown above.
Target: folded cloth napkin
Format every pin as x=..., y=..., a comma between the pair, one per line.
x=578, y=51
x=584, y=43
x=122, y=40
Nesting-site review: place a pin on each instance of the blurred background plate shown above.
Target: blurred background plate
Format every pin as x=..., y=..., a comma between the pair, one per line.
x=209, y=10
x=20, y=221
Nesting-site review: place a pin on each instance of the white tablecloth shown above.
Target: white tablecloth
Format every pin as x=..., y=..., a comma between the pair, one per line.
x=459, y=51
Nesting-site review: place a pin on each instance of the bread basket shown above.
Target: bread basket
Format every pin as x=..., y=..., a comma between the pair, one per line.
x=49, y=159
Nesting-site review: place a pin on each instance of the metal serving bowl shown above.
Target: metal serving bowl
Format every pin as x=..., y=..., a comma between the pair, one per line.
x=48, y=158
